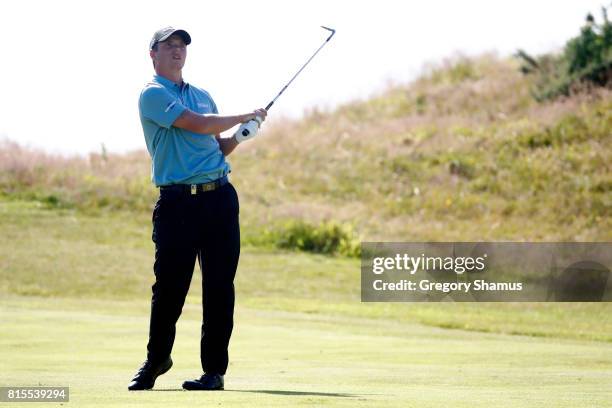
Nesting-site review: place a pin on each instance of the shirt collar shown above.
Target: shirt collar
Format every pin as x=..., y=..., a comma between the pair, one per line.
x=168, y=83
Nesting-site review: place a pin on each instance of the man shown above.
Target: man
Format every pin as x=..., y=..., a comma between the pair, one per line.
x=196, y=215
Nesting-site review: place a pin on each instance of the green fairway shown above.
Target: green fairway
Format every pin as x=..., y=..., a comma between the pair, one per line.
x=110, y=257
x=296, y=359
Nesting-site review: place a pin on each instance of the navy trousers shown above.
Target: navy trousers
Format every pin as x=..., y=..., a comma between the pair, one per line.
x=187, y=227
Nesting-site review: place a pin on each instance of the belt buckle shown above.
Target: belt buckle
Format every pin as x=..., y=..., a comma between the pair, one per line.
x=208, y=186
x=194, y=189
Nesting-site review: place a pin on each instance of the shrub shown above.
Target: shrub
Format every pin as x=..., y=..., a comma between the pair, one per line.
x=586, y=59
x=328, y=237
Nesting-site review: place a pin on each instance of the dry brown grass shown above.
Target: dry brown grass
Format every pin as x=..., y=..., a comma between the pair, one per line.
x=425, y=160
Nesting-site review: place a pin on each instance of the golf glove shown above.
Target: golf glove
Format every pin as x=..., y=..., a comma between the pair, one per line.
x=248, y=130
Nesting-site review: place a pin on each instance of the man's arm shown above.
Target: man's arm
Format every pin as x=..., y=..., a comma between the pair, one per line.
x=212, y=123
x=226, y=144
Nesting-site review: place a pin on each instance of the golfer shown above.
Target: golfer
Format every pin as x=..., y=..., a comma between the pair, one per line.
x=196, y=215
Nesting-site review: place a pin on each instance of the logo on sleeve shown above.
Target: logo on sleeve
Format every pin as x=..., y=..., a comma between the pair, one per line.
x=205, y=106
x=170, y=106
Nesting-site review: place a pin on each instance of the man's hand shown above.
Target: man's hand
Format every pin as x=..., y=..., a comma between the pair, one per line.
x=257, y=113
x=249, y=128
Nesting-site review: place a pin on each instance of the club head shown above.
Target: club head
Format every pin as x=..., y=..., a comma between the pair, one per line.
x=332, y=32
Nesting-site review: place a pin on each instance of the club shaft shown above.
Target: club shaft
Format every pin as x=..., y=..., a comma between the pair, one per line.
x=300, y=70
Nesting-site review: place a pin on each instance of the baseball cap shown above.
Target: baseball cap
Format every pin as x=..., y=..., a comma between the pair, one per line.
x=165, y=33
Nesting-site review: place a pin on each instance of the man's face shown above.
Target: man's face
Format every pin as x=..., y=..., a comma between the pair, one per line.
x=170, y=54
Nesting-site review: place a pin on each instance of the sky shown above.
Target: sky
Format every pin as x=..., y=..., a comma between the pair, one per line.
x=71, y=71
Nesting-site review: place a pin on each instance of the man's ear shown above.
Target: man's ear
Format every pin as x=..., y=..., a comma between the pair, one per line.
x=152, y=55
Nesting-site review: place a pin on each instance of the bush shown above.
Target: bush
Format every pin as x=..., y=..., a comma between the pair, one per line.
x=326, y=238
x=586, y=59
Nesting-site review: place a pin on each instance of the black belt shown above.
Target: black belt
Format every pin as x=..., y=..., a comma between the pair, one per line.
x=196, y=188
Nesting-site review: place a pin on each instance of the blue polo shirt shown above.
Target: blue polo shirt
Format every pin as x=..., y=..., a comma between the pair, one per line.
x=178, y=156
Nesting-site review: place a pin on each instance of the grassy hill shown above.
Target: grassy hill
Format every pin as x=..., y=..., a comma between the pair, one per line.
x=462, y=153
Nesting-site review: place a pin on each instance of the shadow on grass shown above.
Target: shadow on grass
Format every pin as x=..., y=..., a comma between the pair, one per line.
x=278, y=392
x=314, y=394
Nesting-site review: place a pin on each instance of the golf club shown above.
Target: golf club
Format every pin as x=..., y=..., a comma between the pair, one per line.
x=304, y=66
x=251, y=126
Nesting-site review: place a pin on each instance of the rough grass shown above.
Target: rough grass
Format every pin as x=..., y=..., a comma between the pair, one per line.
x=463, y=153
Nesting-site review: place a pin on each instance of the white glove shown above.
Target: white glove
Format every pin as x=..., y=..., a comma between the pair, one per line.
x=248, y=130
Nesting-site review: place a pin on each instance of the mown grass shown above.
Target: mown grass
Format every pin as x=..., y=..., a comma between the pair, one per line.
x=287, y=359
x=58, y=254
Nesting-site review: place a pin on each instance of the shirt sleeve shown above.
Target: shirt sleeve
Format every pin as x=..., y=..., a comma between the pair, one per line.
x=214, y=106
x=160, y=106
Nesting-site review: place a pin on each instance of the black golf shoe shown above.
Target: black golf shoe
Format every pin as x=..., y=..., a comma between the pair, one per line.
x=148, y=373
x=207, y=382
